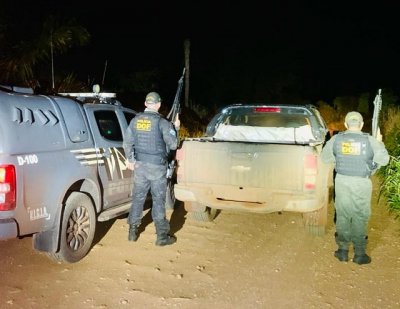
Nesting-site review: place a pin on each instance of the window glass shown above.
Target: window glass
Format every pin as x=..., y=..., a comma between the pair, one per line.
x=107, y=122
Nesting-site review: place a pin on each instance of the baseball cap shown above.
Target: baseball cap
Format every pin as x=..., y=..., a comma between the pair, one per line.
x=153, y=98
x=353, y=118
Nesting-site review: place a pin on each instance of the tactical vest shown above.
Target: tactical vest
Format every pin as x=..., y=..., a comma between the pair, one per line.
x=353, y=154
x=148, y=142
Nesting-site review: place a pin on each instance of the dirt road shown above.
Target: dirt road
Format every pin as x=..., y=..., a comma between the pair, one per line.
x=240, y=260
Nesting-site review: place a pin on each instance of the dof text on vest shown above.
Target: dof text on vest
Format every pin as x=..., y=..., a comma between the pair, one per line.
x=353, y=153
x=148, y=141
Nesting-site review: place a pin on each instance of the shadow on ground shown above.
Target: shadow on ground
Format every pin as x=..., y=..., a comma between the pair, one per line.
x=177, y=220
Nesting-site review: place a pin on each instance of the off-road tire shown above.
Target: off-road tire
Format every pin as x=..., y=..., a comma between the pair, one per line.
x=206, y=216
x=77, y=229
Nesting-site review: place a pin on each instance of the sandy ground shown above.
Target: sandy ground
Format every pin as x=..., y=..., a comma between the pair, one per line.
x=240, y=260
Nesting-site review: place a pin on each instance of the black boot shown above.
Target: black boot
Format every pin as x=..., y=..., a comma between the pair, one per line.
x=163, y=236
x=165, y=240
x=360, y=257
x=133, y=232
x=342, y=255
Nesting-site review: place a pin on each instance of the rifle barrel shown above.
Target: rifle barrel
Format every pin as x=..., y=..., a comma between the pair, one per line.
x=176, y=105
x=375, y=117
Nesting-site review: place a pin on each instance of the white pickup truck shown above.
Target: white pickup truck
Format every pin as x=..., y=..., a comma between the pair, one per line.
x=257, y=158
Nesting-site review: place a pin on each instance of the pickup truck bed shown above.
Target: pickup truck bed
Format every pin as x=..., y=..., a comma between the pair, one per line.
x=257, y=168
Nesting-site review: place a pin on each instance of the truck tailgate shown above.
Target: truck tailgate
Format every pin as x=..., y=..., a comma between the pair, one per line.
x=272, y=167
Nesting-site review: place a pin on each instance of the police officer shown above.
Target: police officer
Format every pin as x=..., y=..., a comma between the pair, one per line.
x=356, y=156
x=147, y=141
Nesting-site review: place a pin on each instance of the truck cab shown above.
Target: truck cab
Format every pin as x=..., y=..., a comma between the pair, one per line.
x=62, y=168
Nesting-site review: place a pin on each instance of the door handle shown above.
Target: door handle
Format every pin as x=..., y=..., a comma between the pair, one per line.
x=106, y=153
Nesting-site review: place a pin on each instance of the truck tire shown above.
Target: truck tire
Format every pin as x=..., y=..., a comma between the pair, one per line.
x=77, y=229
x=206, y=216
x=315, y=221
x=170, y=196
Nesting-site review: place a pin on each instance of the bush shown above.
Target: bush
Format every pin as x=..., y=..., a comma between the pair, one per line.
x=391, y=173
x=391, y=185
x=391, y=130
x=192, y=125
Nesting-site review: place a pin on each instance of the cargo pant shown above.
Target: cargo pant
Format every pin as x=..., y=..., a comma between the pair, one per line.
x=147, y=176
x=353, y=210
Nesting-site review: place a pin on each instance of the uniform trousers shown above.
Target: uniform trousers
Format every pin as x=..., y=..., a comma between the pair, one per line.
x=353, y=210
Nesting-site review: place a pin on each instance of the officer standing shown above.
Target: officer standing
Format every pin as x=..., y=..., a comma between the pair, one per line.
x=356, y=156
x=147, y=141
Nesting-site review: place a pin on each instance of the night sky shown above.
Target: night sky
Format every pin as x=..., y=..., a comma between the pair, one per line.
x=239, y=52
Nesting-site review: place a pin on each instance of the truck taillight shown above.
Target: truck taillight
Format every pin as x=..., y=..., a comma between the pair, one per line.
x=7, y=187
x=267, y=110
x=310, y=172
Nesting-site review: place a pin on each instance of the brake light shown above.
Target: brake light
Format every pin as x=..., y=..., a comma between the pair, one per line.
x=180, y=155
x=267, y=110
x=7, y=187
x=310, y=172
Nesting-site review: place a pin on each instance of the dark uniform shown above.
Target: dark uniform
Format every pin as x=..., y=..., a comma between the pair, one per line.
x=147, y=141
x=357, y=156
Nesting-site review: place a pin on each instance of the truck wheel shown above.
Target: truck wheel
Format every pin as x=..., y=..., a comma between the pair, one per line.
x=77, y=229
x=170, y=197
x=315, y=221
x=206, y=216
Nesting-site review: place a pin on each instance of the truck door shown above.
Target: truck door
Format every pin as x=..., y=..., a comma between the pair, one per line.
x=108, y=124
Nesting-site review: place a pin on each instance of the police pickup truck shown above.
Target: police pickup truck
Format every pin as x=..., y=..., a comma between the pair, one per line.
x=257, y=158
x=62, y=168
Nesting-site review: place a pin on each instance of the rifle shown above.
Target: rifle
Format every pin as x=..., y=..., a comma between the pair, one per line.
x=375, y=117
x=176, y=106
x=175, y=110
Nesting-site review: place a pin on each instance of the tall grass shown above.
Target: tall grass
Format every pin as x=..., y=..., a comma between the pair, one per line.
x=391, y=186
x=391, y=173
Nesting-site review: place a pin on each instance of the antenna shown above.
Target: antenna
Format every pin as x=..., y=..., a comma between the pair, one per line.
x=104, y=74
x=52, y=59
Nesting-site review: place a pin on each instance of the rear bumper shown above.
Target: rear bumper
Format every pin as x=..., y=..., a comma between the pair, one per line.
x=251, y=200
x=8, y=229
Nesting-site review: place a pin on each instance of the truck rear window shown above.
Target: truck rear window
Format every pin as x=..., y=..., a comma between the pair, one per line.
x=267, y=120
x=267, y=123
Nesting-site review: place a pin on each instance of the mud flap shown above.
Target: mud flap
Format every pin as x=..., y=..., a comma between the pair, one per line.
x=170, y=195
x=46, y=241
x=315, y=222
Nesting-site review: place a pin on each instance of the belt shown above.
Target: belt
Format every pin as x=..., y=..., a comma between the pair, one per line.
x=354, y=175
x=150, y=158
